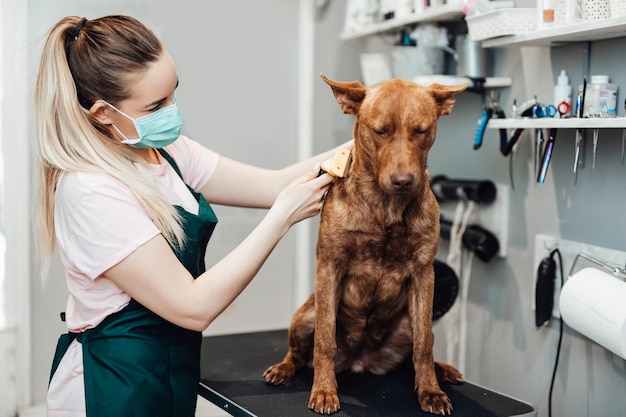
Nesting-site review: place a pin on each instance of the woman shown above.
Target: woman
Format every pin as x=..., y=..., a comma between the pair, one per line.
x=125, y=197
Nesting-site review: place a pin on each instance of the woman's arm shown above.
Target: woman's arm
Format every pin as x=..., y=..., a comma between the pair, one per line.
x=238, y=184
x=153, y=275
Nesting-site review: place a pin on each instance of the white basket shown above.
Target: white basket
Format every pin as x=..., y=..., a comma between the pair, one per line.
x=501, y=22
x=618, y=8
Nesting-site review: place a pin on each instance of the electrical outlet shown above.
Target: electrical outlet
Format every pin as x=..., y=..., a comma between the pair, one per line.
x=544, y=244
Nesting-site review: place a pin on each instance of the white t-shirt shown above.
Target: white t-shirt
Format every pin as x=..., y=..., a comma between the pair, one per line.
x=98, y=223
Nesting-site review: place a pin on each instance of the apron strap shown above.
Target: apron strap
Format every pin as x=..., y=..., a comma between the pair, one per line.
x=174, y=165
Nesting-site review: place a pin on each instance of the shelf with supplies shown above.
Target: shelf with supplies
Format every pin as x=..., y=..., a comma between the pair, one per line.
x=452, y=80
x=583, y=31
x=443, y=13
x=566, y=123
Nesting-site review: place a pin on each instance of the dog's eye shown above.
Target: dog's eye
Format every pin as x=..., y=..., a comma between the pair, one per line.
x=420, y=131
x=380, y=132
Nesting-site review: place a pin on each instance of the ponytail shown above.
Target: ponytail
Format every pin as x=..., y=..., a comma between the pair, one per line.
x=78, y=67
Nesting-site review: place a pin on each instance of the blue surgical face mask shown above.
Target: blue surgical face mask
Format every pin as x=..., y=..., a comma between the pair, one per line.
x=155, y=130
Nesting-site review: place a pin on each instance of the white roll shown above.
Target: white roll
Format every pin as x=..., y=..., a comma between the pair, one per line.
x=593, y=303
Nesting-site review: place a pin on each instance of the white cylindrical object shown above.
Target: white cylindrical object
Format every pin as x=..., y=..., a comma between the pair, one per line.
x=593, y=303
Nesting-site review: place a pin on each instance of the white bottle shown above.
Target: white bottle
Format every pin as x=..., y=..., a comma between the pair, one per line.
x=563, y=93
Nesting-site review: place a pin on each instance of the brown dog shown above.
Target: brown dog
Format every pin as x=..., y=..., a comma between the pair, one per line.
x=378, y=237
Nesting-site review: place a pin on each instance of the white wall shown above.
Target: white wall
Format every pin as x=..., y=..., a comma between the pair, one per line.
x=15, y=222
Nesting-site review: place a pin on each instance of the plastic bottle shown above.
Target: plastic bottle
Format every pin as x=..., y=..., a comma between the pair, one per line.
x=548, y=13
x=602, y=95
x=563, y=93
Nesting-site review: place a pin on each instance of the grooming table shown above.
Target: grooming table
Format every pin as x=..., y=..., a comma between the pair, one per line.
x=232, y=378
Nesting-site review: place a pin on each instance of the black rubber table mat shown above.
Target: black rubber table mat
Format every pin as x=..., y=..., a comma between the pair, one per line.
x=233, y=365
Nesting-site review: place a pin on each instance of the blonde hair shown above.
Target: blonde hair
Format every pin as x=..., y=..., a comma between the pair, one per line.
x=83, y=61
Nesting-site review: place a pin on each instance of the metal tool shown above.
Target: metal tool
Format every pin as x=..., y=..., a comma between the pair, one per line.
x=579, y=139
x=623, y=135
x=506, y=145
x=492, y=109
x=580, y=105
x=539, y=140
x=547, y=155
x=596, y=134
x=623, y=144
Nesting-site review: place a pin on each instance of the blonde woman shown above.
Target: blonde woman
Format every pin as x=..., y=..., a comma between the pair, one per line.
x=125, y=198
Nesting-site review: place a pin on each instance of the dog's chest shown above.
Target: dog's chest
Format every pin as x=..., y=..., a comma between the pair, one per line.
x=378, y=267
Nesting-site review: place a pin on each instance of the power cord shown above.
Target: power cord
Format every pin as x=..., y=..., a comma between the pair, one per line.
x=558, y=349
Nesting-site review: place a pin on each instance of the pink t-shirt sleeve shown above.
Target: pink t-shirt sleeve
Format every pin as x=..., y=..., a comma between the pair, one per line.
x=99, y=222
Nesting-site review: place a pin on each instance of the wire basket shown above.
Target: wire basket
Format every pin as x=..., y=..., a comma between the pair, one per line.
x=501, y=22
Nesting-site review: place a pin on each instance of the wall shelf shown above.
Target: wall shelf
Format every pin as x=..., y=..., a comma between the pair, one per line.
x=586, y=31
x=451, y=80
x=449, y=12
x=443, y=13
x=569, y=123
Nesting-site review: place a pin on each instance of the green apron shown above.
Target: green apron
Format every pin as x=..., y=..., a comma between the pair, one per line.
x=137, y=363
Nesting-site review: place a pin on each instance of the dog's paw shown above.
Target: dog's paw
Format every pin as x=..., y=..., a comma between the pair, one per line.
x=436, y=402
x=448, y=373
x=280, y=373
x=324, y=401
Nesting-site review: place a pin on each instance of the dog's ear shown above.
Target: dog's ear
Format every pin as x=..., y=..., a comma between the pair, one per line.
x=444, y=96
x=349, y=95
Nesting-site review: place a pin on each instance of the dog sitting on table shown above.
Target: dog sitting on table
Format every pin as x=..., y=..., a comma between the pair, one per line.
x=378, y=238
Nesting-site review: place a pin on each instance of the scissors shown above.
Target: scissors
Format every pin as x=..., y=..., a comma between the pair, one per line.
x=564, y=108
x=548, y=111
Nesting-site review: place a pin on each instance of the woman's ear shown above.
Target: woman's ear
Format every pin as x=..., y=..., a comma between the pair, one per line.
x=101, y=112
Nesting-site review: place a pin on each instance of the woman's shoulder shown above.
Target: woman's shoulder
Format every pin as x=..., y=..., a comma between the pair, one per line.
x=188, y=148
x=74, y=186
x=196, y=162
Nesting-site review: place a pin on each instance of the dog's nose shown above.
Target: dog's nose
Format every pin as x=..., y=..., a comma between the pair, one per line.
x=402, y=181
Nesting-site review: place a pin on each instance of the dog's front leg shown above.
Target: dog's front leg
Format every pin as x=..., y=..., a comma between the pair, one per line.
x=324, y=398
x=420, y=301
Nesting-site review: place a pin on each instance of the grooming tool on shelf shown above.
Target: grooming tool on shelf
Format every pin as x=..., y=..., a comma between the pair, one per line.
x=547, y=155
x=596, y=134
x=564, y=108
x=623, y=144
x=579, y=139
x=539, y=140
x=492, y=109
x=623, y=135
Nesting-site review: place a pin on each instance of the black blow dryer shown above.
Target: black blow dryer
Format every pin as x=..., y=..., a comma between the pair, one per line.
x=480, y=191
x=481, y=241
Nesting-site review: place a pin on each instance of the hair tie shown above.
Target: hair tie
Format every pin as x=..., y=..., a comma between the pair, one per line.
x=78, y=27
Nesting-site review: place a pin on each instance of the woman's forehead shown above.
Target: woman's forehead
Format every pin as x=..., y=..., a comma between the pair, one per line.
x=157, y=81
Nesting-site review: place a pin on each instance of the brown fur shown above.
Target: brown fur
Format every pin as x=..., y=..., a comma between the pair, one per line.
x=378, y=237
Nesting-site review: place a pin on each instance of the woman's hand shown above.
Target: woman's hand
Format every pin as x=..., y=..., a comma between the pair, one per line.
x=303, y=197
